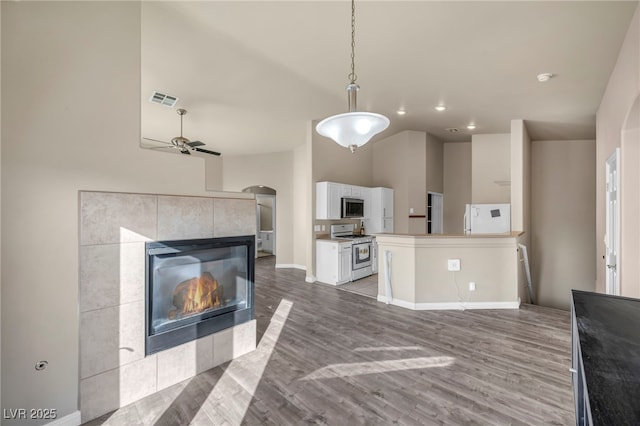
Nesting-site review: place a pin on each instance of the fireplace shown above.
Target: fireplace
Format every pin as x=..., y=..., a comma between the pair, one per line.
x=197, y=287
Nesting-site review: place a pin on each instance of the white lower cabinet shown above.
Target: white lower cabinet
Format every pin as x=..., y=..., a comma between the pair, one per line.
x=333, y=261
x=374, y=256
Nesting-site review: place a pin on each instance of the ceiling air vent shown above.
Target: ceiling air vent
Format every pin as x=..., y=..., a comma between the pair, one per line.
x=452, y=129
x=163, y=99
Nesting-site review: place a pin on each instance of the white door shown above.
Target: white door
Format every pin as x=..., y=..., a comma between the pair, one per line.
x=434, y=212
x=612, y=236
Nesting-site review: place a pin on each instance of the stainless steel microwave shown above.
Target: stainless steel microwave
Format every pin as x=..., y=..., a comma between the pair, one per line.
x=352, y=208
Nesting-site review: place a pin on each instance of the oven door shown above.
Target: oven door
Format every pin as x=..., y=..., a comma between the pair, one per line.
x=361, y=255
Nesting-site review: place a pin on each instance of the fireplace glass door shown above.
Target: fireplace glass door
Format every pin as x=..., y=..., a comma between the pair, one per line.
x=197, y=287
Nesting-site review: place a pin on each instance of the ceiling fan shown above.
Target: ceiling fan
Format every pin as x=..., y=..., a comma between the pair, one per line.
x=182, y=143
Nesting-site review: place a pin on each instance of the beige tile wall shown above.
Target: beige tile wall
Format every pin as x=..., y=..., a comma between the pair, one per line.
x=113, y=228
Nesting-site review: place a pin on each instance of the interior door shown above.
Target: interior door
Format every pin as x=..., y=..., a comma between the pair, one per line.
x=612, y=236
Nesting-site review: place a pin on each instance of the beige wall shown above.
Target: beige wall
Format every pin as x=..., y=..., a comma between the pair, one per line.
x=274, y=170
x=67, y=133
x=302, y=216
x=457, y=185
x=411, y=163
x=629, y=259
x=419, y=273
x=490, y=163
x=334, y=163
x=213, y=173
x=391, y=171
x=521, y=195
x=563, y=219
x=622, y=90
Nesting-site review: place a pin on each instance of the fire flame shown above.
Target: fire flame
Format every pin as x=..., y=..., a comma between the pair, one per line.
x=196, y=295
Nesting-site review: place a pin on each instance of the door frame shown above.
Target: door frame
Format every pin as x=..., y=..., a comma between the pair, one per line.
x=612, y=224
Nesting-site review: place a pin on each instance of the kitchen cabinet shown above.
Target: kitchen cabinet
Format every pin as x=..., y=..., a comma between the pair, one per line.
x=333, y=261
x=328, y=198
x=267, y=241
x=380, y=212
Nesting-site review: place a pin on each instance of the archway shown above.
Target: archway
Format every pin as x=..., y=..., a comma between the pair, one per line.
x=265, y=219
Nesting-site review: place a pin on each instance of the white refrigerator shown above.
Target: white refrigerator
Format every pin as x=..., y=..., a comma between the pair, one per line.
x=487, y=219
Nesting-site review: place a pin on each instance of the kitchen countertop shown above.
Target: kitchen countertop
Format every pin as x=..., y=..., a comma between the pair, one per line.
x=609, y=333
x=507, y=235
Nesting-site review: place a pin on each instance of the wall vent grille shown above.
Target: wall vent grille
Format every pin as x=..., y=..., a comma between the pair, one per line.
x=163, y=99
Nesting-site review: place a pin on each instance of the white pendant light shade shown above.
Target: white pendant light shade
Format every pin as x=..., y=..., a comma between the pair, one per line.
x=352, y=129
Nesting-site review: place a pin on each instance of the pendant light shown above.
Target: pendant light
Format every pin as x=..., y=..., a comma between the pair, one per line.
x=352, y=129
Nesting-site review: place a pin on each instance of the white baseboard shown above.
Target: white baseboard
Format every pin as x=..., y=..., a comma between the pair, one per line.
x=290, y=265
x=73, y=419
x=310, y=279
x=450, y=305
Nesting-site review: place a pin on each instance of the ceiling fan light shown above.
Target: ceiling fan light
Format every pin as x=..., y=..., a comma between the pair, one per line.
x=352, y=128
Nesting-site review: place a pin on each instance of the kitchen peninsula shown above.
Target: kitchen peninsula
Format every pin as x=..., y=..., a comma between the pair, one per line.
x=421, y=279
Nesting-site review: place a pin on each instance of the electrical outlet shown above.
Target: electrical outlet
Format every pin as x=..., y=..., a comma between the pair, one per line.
x=316, y=228
x=472, y=286
x=411, y=210
x=323, y=228
x=453, y=265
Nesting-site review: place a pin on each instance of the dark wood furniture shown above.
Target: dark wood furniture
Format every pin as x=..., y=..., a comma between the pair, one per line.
x=605, y=358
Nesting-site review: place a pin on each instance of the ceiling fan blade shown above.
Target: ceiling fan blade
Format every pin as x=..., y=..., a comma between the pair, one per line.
x=206, y=151
x=156, y=140
x=193, y=144
x=161, y=147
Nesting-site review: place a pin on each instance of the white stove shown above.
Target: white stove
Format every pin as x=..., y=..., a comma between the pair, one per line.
x=361, y=249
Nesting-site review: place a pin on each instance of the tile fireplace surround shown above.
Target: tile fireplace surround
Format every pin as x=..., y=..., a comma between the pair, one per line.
x=113, y=229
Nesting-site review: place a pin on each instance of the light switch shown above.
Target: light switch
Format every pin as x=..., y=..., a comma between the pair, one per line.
x=411, y=210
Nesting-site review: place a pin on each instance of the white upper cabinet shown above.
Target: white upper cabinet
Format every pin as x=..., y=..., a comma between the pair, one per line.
x=378, y=202
x=357, y=191
x=328, y=195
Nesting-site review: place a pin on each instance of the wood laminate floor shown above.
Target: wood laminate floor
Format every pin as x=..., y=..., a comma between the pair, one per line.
x=332, y=357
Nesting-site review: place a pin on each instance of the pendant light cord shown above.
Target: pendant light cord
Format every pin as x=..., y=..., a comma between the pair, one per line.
x=353, y=77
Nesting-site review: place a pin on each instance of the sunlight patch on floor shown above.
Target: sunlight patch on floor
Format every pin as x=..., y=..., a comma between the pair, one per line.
x=236, y=387
x=376, y=367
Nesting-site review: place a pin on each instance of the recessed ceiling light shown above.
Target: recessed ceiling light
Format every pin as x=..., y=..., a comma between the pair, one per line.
x=401, y=112
x=544, y=77
x=471, y=127
x=440, y=108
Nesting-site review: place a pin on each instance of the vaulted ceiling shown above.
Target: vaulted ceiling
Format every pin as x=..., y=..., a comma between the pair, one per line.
x=252, y=75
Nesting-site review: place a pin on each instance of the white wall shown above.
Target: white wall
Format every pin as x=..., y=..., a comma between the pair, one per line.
x=621, y=92
x=274, y=170
x=490, y=163
x=70, y=122
x=457, y=185
x=563, y=219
